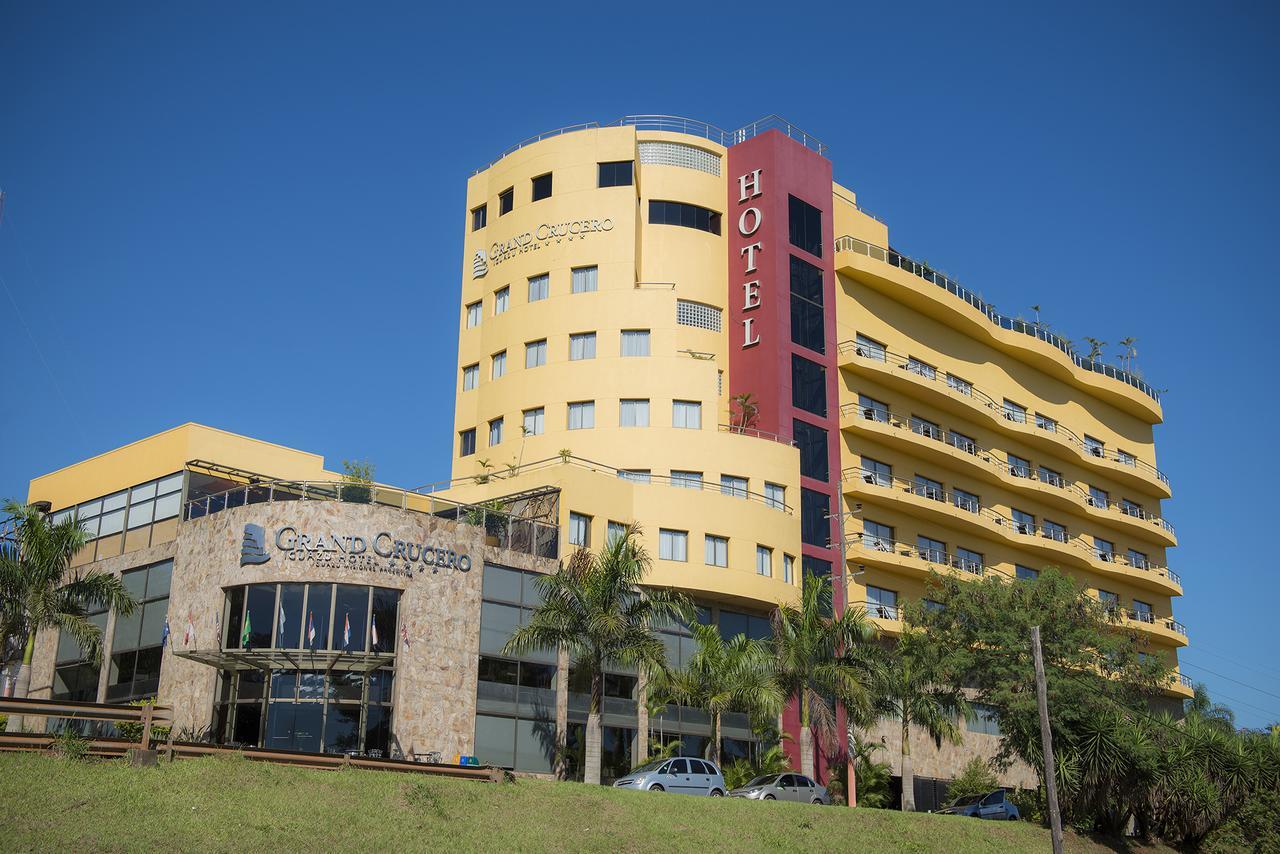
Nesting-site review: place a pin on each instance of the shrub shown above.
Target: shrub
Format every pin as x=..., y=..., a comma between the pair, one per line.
x=132, y=731
x=1030, y=805
x=976, y=779
x=70, y=744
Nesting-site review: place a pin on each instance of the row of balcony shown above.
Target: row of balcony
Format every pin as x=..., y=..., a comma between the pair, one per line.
x=1018, y=474
x=954, y=388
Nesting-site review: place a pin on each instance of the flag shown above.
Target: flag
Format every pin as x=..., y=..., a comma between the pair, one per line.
x=373, y=627
x=280, y=628
x=311, y=629
x=245, y=632
x=191, y=630
x=404, y=637
x=164, y=636
x=217, y=624
x=346, y=630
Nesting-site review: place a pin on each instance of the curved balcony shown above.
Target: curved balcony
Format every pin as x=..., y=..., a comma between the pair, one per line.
x=900, y=555
x=1165, y=628
x=947, y=508
x=897, y=370
x=941, y=443
x=1180, y=685
x=887, y=618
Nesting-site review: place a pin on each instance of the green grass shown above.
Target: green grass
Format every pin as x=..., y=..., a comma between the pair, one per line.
x=231, y=804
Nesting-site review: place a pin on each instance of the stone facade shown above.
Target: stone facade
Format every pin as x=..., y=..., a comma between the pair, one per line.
x=947, y=761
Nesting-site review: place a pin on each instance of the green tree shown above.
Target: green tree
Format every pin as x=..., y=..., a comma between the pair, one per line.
x=723, y=676
x=818, y=657
x=976, y=778
x=596, y=608
x=40, y=590
x=1203, y=705
x=357, y=481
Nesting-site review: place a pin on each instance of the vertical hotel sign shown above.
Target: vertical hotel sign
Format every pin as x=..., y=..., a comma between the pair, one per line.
x=750, y=188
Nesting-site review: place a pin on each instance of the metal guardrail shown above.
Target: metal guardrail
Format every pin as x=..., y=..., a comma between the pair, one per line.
x=147, y=715
x=848, y=243
x=754, y=433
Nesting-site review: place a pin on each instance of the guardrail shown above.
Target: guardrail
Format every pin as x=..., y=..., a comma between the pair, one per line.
x=148, y=715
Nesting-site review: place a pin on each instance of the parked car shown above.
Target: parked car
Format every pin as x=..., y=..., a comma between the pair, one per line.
x=784, y=787
x=683, y=775
x=993, y=805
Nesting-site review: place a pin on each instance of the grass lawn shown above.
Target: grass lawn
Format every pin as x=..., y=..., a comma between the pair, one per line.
x=222, y=804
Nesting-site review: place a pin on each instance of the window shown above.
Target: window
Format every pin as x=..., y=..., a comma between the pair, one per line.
x=76, y=675
x=804, y=222
x=506, y=201
x=1110, y=601
x=535, y=353
x=634, y=475
x=495, y=432
x=717, y=551
x=498, y=367
x=533, y=421
x=617, y=531
x=1132, y=508
x=876, y=473
x=616, y=173
x=686, y=414
x=583, y=279
x=882, y=603
x=764, y=561
x=983, y=720
x=1023, y=523
x=1015, y=412
x=1045, y=423
x=926, y=428
x=733, y=485
x=969, y=560
x=775, y=495
x=788, y=568
x=873, y=410
x=928, y=488
x=920, y=368
x=686, y=479
x=1137, y=559
x=679, y=154
x=815, y=527
x=869, y=348
x=1051, y=477
x=1025, y=573
x=635, y=342
x=673, y=545
x=808, y=323
x=808, y=386
x=501, y=297
x=962, y=442
x=932, y=606
x=479, y=217
x=539, y=287
x=1126, y=458
x=542, y=187
x=473, y=313
x=1018, y=467
x=582, y=345
x=966, y=500
x=812, y=442
x=931, y=550
x=633, y=413
x=1143, y=612
x=582, y=415
x=876, y=536
x=956, y=384
x=470, y=377
x=1099, y=498
x=467, y=442
x=689, y=313
x=1104, y=549
x=579, y=529
x=136, y=650
x=1054, y=531
x=1094, y=446
x=679, y=213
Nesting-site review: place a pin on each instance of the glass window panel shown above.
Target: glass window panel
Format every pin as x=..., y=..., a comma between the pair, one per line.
x=584, y=279
x=89, y=508
x=289, y=629
x=381, y=686
x=341, y=728
x=158, y=578
x=502, y=584
x=167, y=506
x=535, y=745
x=311, y=685
x=319, y=597
x=115, y=501
x=495, y=741
x=135, y=583
x=386, y=605
x=497, y=622
x=111, y=523
x=808, y=386
x=284, y=684
x=261, y=616
x=351, y=610
x=142, y=493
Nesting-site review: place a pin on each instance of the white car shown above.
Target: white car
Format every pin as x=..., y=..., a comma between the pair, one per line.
x=683, y=775
x=784, y=787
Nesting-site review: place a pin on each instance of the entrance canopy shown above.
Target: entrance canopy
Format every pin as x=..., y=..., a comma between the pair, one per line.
x=286, y=659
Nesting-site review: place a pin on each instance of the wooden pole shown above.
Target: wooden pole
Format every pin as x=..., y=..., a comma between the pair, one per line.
x=1046, y=742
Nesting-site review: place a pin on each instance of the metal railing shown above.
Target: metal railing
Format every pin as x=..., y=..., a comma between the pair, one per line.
x=915, y=550
x=881, y=611
x=1182, y=679
x=1150, y=619
x=848, y=243
x=755, y=433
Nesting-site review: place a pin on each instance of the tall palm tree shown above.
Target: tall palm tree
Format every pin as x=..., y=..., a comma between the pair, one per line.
x=40, y=590
x=915, y=691
x=723, y=676
x=595, y=607
x=818, y=655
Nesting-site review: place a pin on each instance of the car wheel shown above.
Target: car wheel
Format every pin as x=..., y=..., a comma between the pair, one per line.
x=817, y=801
x=1012, y=817
x=656, y=788
x=769, y=798
x=716, y=793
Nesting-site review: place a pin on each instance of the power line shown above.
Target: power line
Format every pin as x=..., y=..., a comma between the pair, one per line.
x=1235, y=659
x=1229, y=679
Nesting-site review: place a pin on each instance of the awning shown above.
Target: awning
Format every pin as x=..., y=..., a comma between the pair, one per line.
x=289, y=659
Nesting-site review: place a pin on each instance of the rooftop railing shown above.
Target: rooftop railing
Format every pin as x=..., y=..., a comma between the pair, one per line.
x=847, y=243
x=755, y=433
x=924, y=553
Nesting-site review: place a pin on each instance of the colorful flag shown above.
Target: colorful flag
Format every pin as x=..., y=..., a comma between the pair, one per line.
x=346, y=630
x=404, y=637
x=191, y=630
x=245, y=632
x=217, y=624
x=164, y=636
x=373, y=627
x=311, y=629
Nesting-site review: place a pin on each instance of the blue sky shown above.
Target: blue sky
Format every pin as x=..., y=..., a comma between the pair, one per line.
x=250, y=215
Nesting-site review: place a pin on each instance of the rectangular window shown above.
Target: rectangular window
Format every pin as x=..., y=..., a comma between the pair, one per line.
x=873, y=410
x=1093, y=446
x=1045, y=423
x=1051, y=477
x=812, y=442
x=582, y=415
x=815, y=527
x=925, y=427
x=583, y=279
x=506, y=201
x=615, y=173
x=1104, y=549
x=764, y=561
x=633, y=413
x=467, y=442
x=470, y=377
x=1138, y=560
x=686, y=479
x=479, y=217
x=869, y=348
x=963, y=386
x=808, y=386
x=1015, y=412
x=535, y=354
x=788, y=569
x=136, y=647
x=934, y=551
x=882, y=603
x=804, y=223
x=1023, y=523
x=1099, y=498
x=686, y=414
x=775, y=495
x=539, y=287
x=717, y=551
x=1025, y=573
x=1132, y=508
x=1018, y=467
x=923, y=369
x=533, y=421
x=1054, y=531
x=876, y=473
x=733, y=485
x=495, y=432
x=966, y=500
x=969, y=561
x=876, y=536
x=962, y=442
x=680, y=213
x=501, y=297
x=1127, y=458
x=635, y=342
x=927, y=487
x=579, y=530
x=617, y=531
x=1143, y=611
x=983, y=720
x=582, y=345
x=499, y=365
x=808, y=323
x=634, y=475
x=673, y=545
x=542, y=187
x=473, y=313
x=1110, y=601
x=699, y=315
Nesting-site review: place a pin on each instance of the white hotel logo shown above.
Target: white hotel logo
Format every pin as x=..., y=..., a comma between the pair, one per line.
x=479, y=265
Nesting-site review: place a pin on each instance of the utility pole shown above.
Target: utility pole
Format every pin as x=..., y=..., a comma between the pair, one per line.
x=1046, y=742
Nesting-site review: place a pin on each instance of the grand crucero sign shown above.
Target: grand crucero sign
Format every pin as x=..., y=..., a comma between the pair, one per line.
x=546, y=234
x=382, y=552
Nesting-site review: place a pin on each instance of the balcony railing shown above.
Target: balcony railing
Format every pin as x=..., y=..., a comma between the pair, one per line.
x=754, y=433
x=848, y=243
x=915, y=550
x=1151, y=619
x=981, y=398
x=881, y=611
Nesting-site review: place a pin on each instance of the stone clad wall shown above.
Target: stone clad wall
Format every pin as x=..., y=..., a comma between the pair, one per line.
x=945, y=762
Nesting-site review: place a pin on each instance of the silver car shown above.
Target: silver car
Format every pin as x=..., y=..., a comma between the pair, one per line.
x=683, y=775
x=784, y=787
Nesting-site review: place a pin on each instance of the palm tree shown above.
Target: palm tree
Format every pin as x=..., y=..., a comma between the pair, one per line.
x=1130, y=352
x=595, y=607
x=1203, y=705
x=724, y=676
x=40, y=590
x=748, y=410
x=915, y=692
x=1095, y=348
x=816, y=656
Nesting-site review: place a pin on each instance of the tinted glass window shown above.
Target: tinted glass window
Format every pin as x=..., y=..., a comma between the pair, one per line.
x=506, y=201
x=679, y=766
x=808, y=386
x=807, y=324
x=813, y=449
x=679, y=213
x=542, y=187
x=617, y=174
x=805, y=224
x=815, y=528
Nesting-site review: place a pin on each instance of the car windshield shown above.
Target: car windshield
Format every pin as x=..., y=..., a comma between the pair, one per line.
x=763, y=781
x=964, y=802
x=650, y=766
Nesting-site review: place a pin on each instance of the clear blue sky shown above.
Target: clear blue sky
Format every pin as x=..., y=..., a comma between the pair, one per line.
x=250, y=215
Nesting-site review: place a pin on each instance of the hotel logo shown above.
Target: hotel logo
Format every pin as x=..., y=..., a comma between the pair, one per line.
x=253, y=550
x=479, y=265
